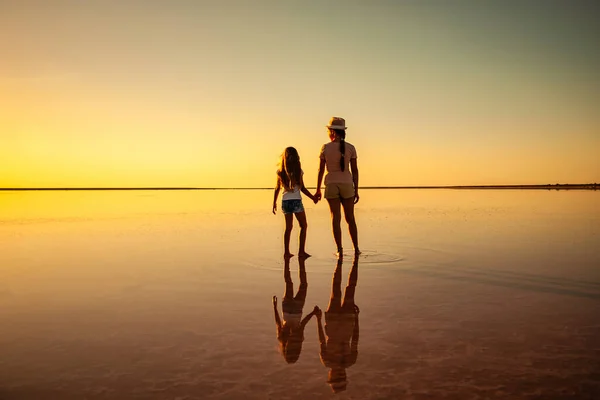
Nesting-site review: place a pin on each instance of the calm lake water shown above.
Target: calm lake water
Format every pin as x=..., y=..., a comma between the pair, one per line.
x=473, y=294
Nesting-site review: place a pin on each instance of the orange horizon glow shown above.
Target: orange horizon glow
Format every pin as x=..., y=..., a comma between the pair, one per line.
x=189, y=95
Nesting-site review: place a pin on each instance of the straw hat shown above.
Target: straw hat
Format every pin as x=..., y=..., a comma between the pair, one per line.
x=337, y=379
x=338, y=386
x=337, y=123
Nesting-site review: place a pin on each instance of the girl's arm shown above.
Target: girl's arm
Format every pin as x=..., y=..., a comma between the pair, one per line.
x=304, y=190
x=275, y=195
x=354, y=169
x=306, y=319
x=315, y=311
x=320, y=178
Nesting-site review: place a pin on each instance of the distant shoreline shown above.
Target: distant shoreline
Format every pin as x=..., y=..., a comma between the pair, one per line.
x=588, y=186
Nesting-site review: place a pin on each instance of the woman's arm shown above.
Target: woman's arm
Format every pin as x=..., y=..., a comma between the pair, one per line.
x=354, y=169
x=320, y=178
x=277, y=188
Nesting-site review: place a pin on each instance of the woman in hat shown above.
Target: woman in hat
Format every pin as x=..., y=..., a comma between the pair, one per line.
x=341, y=181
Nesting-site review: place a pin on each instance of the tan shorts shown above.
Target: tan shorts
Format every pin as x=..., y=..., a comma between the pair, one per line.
x=339, y=190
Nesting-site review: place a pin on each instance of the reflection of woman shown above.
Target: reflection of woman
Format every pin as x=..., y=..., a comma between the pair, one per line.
x=290, y=333
x=341, y=181
x=340, y=349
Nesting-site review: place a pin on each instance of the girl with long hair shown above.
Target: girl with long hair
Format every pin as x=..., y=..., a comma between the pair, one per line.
x=289, y=178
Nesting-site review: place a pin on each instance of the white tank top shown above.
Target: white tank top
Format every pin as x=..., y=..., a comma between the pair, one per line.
x=292, y=194
x=295, y=194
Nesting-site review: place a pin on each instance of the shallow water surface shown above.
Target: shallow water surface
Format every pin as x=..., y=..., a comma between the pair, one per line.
x=168, y=295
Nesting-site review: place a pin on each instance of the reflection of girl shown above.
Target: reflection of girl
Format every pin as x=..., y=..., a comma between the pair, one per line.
x=289, y=176
x=290, y=333
x=340, y=349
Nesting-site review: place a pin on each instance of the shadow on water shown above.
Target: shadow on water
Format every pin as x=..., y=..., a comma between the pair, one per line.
x=339, y=342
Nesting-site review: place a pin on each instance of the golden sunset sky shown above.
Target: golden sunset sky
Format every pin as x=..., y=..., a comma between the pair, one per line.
x=209, y=93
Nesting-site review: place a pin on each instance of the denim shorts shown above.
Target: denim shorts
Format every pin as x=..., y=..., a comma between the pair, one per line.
x=292, y=206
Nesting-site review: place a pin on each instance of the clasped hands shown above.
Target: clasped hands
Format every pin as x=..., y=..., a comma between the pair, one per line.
x=317, y=196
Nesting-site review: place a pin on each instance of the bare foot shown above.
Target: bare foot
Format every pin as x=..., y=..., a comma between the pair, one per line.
x=340, y=253
x=288, y=255
x=303, y=254
x=357, y=252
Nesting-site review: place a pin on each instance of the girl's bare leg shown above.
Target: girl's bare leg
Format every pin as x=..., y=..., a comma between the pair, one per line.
x=287, y=277
x=301, y=217
x=289, y=223
x=336, y=218
x=348, y=205
x=302, y=289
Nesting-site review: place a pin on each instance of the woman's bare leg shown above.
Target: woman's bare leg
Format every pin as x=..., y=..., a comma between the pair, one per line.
x=336, y=218
x=301, y=217
x=348, y=205
x=348, y=304
x=289, y=223
x=335, y=301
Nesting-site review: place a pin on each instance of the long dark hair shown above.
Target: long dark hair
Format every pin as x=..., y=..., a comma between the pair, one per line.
x=290, y=170
x=341, y=133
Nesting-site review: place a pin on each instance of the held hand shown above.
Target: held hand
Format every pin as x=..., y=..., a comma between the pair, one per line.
x=317, y=311
x=318, y=195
